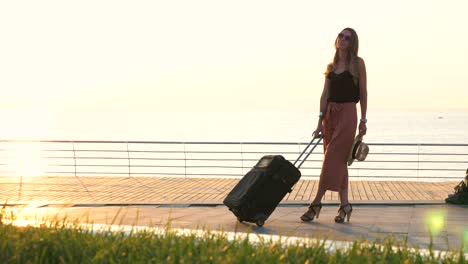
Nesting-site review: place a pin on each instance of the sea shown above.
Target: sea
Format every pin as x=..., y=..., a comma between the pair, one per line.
x=384, y=126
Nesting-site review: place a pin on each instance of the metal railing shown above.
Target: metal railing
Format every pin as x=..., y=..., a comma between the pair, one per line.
x=218, y=159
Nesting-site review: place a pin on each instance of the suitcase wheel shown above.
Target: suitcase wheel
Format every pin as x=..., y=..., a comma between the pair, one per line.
x=260, y=222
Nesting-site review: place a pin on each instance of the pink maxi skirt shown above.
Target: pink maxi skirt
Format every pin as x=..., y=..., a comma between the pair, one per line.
x=339, y=130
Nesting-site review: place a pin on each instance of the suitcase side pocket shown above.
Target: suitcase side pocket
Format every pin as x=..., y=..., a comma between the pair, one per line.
x=288, y=174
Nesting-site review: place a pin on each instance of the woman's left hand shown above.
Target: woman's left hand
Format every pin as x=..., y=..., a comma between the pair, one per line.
x=362, y=129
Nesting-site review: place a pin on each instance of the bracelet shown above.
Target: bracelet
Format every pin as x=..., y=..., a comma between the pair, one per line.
x=364, y=120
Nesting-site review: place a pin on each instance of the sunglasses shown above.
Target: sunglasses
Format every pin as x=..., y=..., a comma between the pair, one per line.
x=345, y=37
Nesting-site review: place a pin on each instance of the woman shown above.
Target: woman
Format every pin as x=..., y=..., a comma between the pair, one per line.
x=345, y=85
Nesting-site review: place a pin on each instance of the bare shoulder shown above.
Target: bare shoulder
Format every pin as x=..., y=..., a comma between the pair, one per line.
x=360, y=60
x=361, y=63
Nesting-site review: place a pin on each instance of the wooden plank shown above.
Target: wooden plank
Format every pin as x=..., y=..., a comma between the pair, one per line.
x=375, y=192
x=362, y=191
x=314, y=191
x=297, y=190
x=143, y=189
x=369, y=194
x=402, y=193
x=307, y=190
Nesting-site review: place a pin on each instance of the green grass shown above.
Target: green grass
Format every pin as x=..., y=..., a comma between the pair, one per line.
x=60, y=241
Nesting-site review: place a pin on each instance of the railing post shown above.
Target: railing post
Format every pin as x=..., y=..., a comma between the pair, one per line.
x=129, y=164
x=298, y=149
x=74, y=156
x=185, y=162
x=242, y=159
x=417, y=171
x=20, y=187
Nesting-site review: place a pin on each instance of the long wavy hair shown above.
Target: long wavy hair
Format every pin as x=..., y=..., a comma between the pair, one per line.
x=351, y=58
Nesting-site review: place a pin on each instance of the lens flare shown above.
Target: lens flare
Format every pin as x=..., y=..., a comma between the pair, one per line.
x=465, y=239
x=435, y=221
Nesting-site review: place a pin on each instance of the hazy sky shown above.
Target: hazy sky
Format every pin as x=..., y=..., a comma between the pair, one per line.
x=225, y=55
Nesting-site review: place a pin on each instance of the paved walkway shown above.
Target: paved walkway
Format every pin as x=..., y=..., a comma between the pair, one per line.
x=160, y=190
x=409, y=210
x=411, y=223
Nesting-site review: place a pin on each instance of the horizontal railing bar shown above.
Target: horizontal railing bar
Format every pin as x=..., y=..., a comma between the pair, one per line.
x=86, y=172
x=217, y=143
x=253, y=160
x=265, y=153
x=259, y=152
x=415, y=161
x=408, y=169
x=227, y=174
x=237, y=160
x=148, y=166
x=380, y=178
x=244, y=167
x=420, y=154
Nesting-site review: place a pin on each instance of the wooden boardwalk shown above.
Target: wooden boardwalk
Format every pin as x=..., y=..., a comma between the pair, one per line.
x=164, y=190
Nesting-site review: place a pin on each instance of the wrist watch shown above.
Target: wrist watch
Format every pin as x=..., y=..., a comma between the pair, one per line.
x=364, y=120
x=320, y=114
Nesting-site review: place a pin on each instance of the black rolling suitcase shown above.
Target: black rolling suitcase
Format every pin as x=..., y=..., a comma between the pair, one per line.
x=260, y=191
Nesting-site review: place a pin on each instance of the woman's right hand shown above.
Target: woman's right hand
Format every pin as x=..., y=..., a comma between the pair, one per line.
x=318, y=131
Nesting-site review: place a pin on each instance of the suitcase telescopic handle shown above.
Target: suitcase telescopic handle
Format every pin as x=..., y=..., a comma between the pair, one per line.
x=320, y=136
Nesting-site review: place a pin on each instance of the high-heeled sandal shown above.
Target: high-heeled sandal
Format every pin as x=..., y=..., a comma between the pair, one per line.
x=312, y=212
x=347, y=215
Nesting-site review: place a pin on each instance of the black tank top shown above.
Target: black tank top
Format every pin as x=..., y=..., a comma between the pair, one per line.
x=342, y=88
